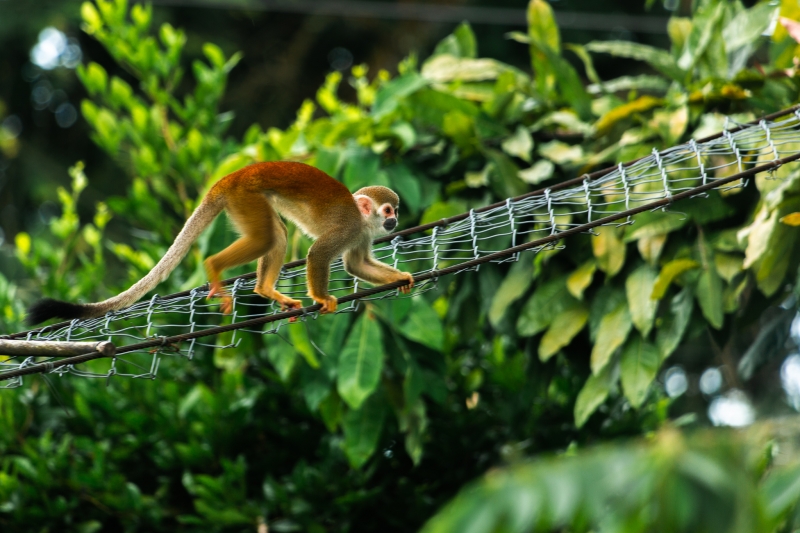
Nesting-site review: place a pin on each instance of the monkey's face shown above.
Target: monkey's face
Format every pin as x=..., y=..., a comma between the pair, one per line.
x=380, y=218
x=388, y=215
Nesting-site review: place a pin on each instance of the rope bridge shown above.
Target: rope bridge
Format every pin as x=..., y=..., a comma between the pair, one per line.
x=178, y=323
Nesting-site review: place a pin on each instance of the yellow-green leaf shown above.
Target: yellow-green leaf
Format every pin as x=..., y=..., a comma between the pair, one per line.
x=639, y=288
x=609, y=250
x=669, y=272
x=640, y=105
x=581, y=278
x=611, y=334
x=792, y=219
x=562, y=330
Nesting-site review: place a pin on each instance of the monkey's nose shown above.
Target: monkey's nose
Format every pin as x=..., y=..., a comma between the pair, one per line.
x=389, y=224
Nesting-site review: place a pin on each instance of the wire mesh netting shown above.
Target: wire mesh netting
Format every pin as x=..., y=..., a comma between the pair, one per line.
x=489, y=233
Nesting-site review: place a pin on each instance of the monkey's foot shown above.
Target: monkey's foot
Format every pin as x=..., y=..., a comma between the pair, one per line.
x=226, y=305
x=406, y=289
x=328, y=303
x=286, y=303
x=216, y=291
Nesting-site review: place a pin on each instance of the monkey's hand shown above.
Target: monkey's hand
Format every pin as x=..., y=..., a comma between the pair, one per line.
x=406, y=289
x=328, y=303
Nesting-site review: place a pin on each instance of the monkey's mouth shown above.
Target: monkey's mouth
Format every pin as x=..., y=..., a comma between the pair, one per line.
x=389, y=224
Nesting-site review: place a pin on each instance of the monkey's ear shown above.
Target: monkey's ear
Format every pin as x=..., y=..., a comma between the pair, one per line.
x=364, y=204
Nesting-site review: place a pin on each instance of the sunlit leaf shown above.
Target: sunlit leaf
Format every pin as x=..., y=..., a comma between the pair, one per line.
x=792, y=219
x=668, y=273
x=611, y=334
x=625, y=111
x=540, y=171
x=608, y=249
x=639, y=288
x=519, y=144
x=562, y=330
x=581, y=278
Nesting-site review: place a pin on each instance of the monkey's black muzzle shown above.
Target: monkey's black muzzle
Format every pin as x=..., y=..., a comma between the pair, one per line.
x=389, y=224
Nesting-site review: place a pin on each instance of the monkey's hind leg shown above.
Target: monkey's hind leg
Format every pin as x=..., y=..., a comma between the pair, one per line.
x=269, y=267
x=252, y=215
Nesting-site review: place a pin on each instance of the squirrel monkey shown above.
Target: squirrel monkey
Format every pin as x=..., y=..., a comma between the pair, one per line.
x=342, y=223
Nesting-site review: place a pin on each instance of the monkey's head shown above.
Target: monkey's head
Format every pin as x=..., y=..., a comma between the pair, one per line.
x=379, y=206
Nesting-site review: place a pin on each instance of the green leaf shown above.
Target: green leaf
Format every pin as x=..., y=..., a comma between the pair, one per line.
x=441, y=210
x=611, y=334
x=748, y=26
x=282, y=356
x=461, y=43
x=362, y=429
x=423, y=325
x=659, y=59
x=638, y=367
x=704, y=40
x=407, y=186
x=673, y=325
x=593, y=394
x=709, y=296
x=299, y=337
x=728, y=265
x=360, y=169
x=668, y=273
x=543, y=35
x=570, y=85
x=514, y=285
x=639, y=288
x=653, y=223
x=391, y=94
x=562, y=330
x=360, y=361
x=608, y=249
x=549, y=299
x=505, y=175
x=781, y=490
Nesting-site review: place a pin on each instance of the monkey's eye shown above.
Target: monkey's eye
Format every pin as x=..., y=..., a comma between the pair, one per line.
x=387, y=210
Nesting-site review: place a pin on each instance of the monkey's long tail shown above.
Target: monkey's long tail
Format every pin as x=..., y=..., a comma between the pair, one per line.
x=202, y=217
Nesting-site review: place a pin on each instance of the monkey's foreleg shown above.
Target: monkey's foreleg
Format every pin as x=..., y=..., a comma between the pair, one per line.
x=366, y=267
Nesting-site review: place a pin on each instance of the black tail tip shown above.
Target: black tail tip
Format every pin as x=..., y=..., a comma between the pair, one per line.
x=48, y=308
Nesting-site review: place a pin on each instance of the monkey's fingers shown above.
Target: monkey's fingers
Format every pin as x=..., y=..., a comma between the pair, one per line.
x=406, y=289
